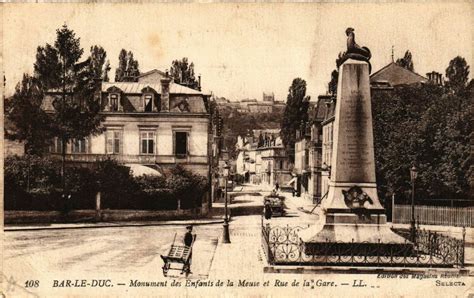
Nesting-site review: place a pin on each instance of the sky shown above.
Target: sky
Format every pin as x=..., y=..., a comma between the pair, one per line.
x=242, y=50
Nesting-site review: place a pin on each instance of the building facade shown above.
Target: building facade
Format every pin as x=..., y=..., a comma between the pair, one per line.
x=262, y=158
x=308, y=170
x=153, y=123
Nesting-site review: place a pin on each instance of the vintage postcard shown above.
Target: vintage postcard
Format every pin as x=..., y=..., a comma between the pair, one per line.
x=237, y=149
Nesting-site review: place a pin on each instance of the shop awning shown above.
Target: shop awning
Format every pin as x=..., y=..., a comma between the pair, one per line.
x=140, y=170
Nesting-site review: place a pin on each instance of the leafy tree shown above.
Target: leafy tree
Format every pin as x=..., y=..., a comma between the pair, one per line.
x=457, y=74
x=429, y=126
x=76, y=111
x=406, y=61
x=128, y=69
x=296, y=111
x=332, y=86
x=183, y=73
x=188, y=188
x=99, y=66
x=29, y=122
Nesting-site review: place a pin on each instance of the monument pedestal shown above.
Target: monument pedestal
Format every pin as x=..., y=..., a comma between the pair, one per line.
x=354, y=220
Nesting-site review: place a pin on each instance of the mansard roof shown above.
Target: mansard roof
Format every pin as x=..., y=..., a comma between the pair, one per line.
x=136, y=88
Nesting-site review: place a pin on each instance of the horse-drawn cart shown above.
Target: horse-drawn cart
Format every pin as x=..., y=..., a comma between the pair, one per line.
x=274, y=205
x=180, y=255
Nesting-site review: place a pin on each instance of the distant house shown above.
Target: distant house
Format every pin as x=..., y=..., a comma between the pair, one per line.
x=393, y=75
x=253, y=106
x=262, y=158
x=11, y=147
x=260, y=107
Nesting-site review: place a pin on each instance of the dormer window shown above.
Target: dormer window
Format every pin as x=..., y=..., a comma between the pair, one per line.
x=148, y=102
x=114, y=102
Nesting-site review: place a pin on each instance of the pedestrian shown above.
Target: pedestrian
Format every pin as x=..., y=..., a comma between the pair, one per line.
x=277, y=186
x=268, y=210
x=188, y=237
x=188, y=240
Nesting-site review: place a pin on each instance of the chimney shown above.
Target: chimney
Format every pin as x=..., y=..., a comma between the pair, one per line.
x=165, y=93
x=199, y=82
x=435, y=78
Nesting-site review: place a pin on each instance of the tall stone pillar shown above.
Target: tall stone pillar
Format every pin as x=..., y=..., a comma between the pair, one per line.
x=352, y=210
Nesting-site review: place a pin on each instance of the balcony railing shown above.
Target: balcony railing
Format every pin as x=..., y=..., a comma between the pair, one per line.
x=135, y=158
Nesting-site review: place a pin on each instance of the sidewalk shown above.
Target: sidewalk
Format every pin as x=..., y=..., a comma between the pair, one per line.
x=242, y=258
x=61, y=226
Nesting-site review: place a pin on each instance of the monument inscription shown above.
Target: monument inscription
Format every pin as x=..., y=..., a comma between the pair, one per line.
x=355, y=160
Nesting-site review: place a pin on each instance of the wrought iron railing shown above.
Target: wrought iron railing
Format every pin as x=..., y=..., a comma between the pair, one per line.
x=283, y=246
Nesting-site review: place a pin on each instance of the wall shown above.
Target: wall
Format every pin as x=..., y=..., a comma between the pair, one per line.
x=163, y=126
x=326, y=155
x=13, y=148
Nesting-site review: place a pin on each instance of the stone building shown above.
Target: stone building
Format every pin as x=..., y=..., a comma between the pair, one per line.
x=153, y=123
x=308, y=168
x=262, y=158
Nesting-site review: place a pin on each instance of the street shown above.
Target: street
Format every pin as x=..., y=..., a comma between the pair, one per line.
x=126, y=254
x=127, y=249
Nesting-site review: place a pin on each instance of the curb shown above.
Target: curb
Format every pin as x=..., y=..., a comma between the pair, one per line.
x=120, y=225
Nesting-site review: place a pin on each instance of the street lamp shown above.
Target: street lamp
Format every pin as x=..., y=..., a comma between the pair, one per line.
x=226, y=236
x=413, y=175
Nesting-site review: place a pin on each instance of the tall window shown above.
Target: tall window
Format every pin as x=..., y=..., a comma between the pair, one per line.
x=114, y=139
x=148, y=102
x=181, y=144
x=114, y=102
x=57, y=146
x=147, y=142
x=79, y=146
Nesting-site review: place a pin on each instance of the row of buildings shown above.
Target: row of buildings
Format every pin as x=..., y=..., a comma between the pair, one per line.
x=262, y=158
x=253, y=106
x=310, y=173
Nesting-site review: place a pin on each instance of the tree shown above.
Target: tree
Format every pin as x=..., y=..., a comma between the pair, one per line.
x=182, y=73
x=406, y=61
x=429, y=126
x=99, y=66
x=332, y=86
x=29, y=123
x=296, y=111
x=76, y=110
x=457, y=74
x=128, y=69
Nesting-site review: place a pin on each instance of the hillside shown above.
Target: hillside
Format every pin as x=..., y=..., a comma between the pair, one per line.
x=237, y=123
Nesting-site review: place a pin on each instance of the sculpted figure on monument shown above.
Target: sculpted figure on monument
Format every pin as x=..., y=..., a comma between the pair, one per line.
x=355, y=198
x=354, y=51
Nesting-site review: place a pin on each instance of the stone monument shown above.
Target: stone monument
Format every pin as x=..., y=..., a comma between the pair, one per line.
x=352, y=211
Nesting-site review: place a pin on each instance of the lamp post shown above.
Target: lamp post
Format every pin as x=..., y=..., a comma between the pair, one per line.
x=226, y=235
x=413, y=175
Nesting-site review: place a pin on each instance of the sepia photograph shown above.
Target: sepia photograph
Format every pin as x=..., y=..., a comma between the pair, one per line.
x=211, y=149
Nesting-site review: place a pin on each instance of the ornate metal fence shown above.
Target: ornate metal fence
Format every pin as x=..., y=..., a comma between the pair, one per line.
x=282, y=246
